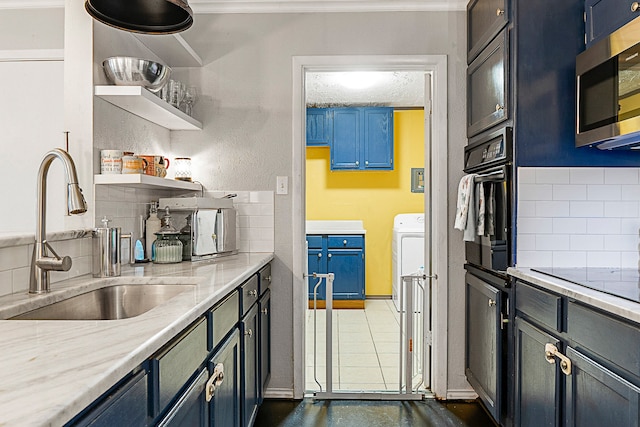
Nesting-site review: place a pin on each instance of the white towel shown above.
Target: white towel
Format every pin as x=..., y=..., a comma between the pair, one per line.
x=481, y=208
x=465, y=208
x=491, y=208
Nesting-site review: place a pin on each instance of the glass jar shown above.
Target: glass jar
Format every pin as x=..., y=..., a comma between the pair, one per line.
x=168, y=248
x=185, y=238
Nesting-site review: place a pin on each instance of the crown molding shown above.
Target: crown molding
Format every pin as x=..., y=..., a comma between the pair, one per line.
x=284, y=6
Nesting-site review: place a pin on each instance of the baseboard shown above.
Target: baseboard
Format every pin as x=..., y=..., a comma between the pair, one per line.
x=461, y=394
x=278, y=393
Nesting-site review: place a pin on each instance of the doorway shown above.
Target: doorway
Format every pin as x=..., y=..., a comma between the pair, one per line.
x=435, y=176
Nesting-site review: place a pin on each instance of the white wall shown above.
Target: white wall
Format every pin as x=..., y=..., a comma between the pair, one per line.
x=246, y=109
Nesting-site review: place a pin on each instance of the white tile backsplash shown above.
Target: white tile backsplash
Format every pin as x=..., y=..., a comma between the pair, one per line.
x=575, y=217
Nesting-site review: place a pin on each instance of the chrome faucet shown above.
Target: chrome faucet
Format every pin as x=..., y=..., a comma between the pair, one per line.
x=41, y=262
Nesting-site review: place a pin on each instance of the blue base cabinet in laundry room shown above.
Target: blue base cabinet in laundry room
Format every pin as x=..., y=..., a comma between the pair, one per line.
x=342, y=255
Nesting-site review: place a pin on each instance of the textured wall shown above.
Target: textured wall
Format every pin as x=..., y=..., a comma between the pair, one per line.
x=245, y=107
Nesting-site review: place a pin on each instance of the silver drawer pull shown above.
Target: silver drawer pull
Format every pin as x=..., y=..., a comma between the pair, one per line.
x=265, y=311
x=248, y=333
x=492, y=303
x=551, y=351
x=635, y=6
x=499, y=12
x=253, y=293
x=499, y=107
x=344, y=242
x=320, y=255
x=214, y=382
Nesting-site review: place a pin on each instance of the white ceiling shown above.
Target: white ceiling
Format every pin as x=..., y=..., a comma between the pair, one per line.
x=283, y=6
x=389, y=88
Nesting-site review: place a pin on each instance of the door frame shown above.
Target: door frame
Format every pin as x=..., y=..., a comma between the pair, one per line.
x=436, y=65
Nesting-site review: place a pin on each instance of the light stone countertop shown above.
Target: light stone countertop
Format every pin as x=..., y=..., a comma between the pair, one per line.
x=335, y=227
x=619, y=306
x=52, y=370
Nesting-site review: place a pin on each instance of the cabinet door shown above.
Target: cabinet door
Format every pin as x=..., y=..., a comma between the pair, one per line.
x=192, y=408
x=317, y=263
x=225, y=403
x=537, y=392
x=596, y=396
x=319, y=126
x=378, y=138
x=483, y=359
x=265, y=342
x=605, y=16
x=250, y=376
x=348, y=267
x=485, y=19
x=345, y=147
x=487, y=87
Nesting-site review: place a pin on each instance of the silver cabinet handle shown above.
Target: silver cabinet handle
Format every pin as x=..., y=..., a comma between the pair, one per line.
x=253, y=293
x=551, y=351
x=357, y=163
x=268, y=278
x=366, y=162
x=214, y=382
x=248, y=333
x=265, y=311
x=320, y=255
x=635, y=6
x=499, y=107
x=492, y=303
x=344, y=242
x=499, y=12
x=329, y=256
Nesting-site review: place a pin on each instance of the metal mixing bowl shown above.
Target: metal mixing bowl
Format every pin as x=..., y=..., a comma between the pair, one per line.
x=128, y=71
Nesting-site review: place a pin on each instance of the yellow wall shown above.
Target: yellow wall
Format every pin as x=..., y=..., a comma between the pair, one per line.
x=373, y=197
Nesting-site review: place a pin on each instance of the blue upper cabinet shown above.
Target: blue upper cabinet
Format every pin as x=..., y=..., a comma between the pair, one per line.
x=603, y=17
x=346, y=144
x=485, y=19
x=362, y=138
x=378, y=138
x=319, y=127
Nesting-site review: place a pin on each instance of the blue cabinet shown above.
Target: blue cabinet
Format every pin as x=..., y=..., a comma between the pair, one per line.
x=250, y=366
x=342, y=255
x=319, y=126
x=602, y=17
x=264, y=324
x=191, y=409
x=574, y=365
x=225, y=402
x=362, y=139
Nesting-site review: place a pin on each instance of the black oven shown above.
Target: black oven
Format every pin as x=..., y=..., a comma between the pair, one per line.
x=490, y=160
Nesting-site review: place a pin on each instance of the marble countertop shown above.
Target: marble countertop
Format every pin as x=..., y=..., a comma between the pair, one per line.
x=619, y=306
x=335, y=227
x=51, y=370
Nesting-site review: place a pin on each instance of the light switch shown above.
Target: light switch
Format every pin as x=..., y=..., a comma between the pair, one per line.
x=282, y=185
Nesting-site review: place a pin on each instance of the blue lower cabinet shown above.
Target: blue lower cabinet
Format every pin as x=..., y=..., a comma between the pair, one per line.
x=595, y=396
x=191, y=409
x=264, y=323
x=224, y=406
x=125, y=405
x=250, y=368
x=342, y=255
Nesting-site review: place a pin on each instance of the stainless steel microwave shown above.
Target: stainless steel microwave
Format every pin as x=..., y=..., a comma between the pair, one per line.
x=608, y=91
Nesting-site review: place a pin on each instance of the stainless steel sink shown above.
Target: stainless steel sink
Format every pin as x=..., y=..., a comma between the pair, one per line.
x=110, y=303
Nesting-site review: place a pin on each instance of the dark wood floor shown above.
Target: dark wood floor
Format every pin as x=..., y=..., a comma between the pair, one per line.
x=350, y=413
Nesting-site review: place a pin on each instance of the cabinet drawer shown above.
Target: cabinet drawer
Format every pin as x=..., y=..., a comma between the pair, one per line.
x=345, y=241
x=611, y=339
x=127, y=405
x=487, y=79
x=540, y=306
x=314, y=241
x=224, y=317
x=250, y=294
x=265, y=278
x=485, y=19
x=179, y=361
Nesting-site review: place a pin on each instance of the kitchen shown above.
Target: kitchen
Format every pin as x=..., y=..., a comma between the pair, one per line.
x=246, y=142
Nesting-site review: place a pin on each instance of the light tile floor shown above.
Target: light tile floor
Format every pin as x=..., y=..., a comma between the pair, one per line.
x=365, y=348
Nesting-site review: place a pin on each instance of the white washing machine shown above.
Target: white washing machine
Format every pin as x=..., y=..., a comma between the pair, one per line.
x=407, y=249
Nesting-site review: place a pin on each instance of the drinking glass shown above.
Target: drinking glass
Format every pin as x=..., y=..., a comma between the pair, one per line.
x=190, y=96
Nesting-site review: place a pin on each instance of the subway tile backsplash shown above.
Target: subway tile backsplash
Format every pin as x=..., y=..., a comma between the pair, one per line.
x=124, y=206
x=575, y=217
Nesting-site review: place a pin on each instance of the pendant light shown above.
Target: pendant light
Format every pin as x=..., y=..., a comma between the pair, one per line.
x=142, y=16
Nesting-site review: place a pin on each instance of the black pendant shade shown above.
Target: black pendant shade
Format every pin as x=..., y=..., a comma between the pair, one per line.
x=142, y=16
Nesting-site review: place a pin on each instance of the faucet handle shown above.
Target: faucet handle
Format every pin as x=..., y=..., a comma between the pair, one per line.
x=57, y=264
x=105, y=221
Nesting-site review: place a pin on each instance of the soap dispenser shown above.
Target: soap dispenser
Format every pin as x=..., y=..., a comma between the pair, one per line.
x=152, y=226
